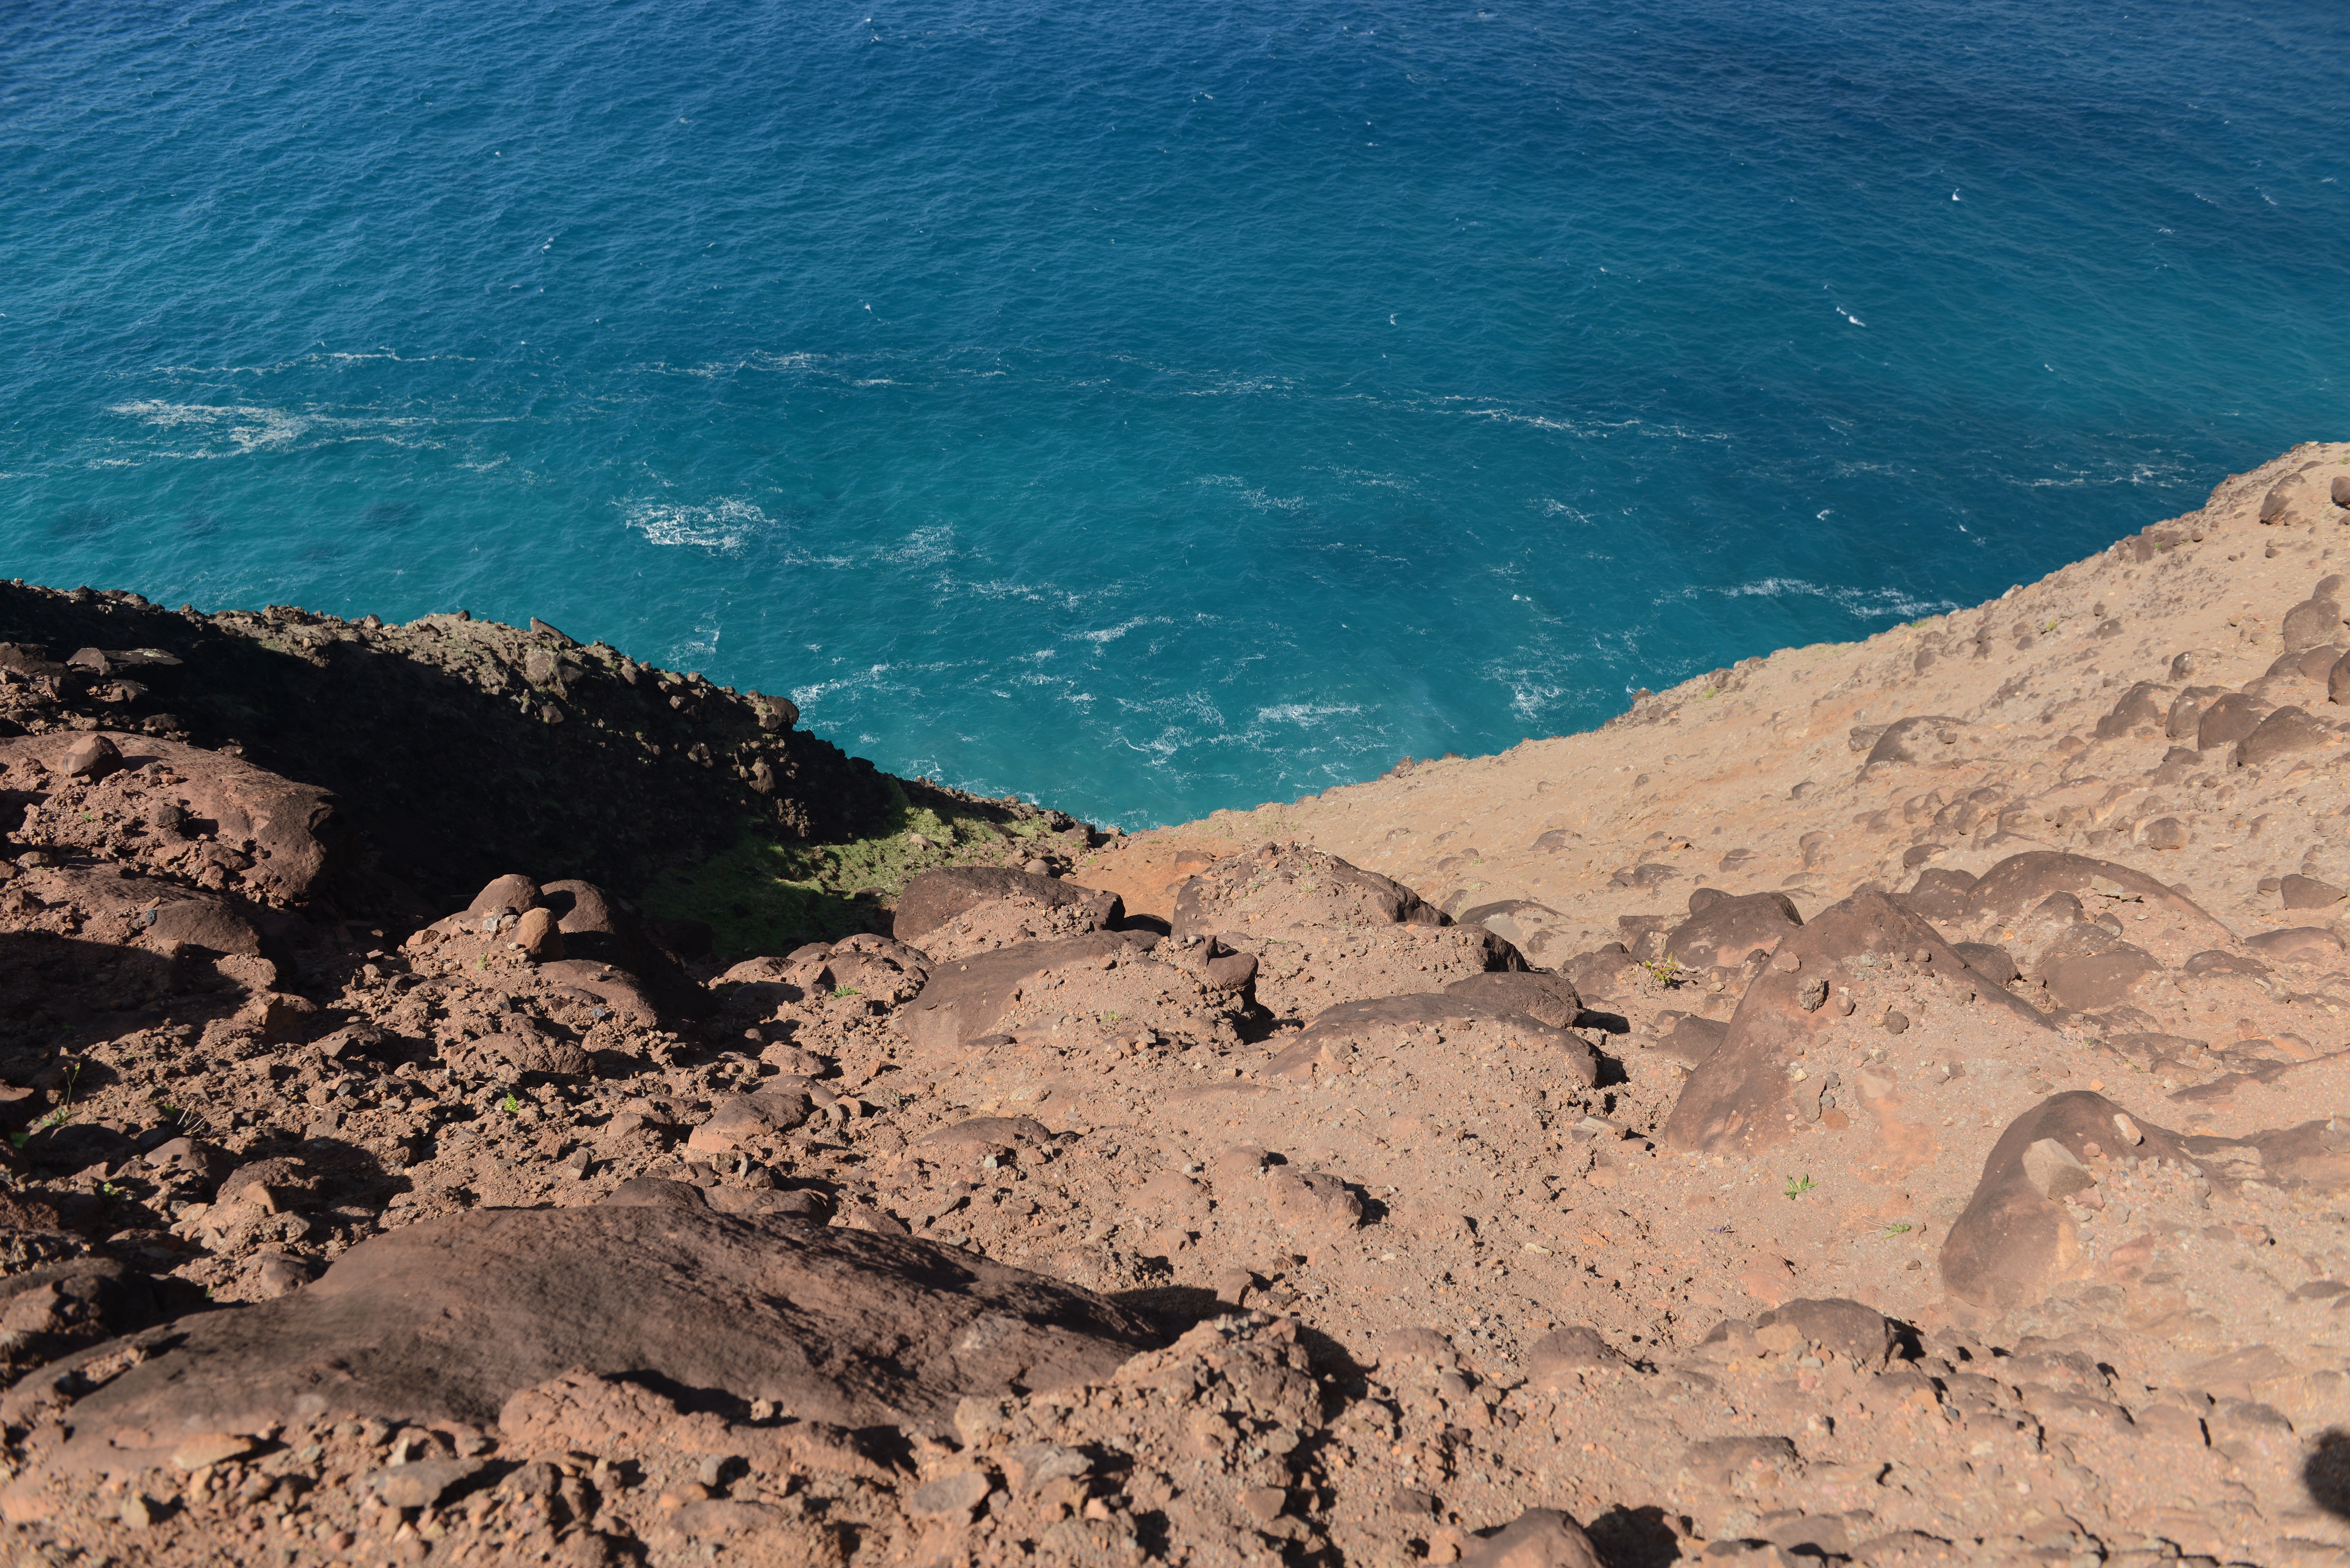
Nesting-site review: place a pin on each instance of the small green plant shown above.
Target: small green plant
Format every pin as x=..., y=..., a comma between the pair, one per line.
x=847, y=990
x=55, y=1118
x=1797, y=1186
x=510, y=1106
x=58, y=1117
x=1665, y=971
x=1898, y=1229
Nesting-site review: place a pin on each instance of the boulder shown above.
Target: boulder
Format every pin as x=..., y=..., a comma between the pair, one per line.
x=2309, y=893
x=446, y=1320
x=1941, y=894
x=2227, y=719
x=2311, y=623
x=2282, y=733
x=1388, y=1027
x=1088, y=976
x=2306, y=945
x=1538, y=1537
x=2015, y=1238
x=2020, y=886
x=1926, y=738
x=934, y=897
x=2187, y=711
x=271, y=839
x=1742, y=1098
x=1727, y=928
x=1282, y=888
x=2146, y=703
x=1860, y=1336
x=1544, y=998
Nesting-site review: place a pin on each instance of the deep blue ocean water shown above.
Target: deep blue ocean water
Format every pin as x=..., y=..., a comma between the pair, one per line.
x=1148, y=408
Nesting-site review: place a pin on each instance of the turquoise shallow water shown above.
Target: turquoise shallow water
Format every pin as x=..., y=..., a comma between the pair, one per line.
x=1153, y=408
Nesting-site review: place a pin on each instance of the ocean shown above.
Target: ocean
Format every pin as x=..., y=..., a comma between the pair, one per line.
x=1151, y=407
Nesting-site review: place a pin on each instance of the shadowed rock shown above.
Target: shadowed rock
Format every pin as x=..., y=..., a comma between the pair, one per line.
x=284, y=841
x=448, y=1319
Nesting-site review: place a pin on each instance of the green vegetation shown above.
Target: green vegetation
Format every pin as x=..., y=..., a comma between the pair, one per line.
x=55, y=1118
x=510, y=1106
x=1797, y=1187
x=763, y=896
x=1666, y=970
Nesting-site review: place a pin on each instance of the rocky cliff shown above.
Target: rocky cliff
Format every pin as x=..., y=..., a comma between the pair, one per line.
x=1876, y=1103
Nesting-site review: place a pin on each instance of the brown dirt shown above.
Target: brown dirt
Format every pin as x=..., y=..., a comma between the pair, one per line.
x=1994, y=1213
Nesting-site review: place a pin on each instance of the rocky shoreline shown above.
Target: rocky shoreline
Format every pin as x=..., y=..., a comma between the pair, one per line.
x=475, y=1097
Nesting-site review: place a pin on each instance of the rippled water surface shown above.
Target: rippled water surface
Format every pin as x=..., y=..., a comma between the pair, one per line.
x=1153, y=408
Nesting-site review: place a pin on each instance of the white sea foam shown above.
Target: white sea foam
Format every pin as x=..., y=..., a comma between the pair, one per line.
x=1110, y=634
x=722, y=525
x=1305, y=712
x=1251, y=495
x=1855, y=601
